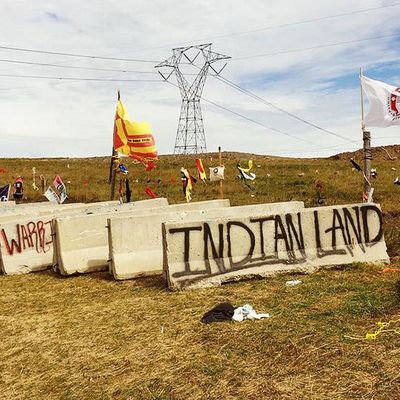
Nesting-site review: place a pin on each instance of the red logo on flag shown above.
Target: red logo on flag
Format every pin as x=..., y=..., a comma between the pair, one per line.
x=394, y=102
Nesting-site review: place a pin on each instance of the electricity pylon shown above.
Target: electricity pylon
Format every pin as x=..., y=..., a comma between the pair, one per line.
x=190, y=137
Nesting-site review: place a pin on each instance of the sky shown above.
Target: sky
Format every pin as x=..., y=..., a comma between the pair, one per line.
x=300, y=55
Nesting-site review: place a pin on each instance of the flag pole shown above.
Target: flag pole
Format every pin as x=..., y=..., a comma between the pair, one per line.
x=366, y=148
x=362, y=100
x=221, y=182
x=111, y=178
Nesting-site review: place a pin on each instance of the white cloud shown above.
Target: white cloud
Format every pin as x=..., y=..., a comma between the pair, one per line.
x=47, y=117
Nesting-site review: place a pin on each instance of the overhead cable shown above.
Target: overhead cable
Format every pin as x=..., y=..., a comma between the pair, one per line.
x=75, y=55
x=273, y=27
x=270, y=104
x=321, y=46
x=64, y=78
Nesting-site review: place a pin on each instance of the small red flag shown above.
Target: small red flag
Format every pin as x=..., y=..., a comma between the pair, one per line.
x=150, y=193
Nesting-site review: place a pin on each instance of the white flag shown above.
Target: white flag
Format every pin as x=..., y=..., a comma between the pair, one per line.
x=384, y=103
x=63, y=197
x=52, y=196
x=217, y=173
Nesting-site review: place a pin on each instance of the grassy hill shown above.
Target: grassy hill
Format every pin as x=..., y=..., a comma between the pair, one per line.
x=90, y=337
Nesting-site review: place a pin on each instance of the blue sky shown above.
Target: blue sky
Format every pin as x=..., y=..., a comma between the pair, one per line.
x=42, y=117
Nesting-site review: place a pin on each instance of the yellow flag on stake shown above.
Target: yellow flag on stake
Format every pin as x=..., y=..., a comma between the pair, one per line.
x=133, y=138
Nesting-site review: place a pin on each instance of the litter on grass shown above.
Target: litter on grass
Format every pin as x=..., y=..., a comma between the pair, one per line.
x=227, y=312
x=294, y=282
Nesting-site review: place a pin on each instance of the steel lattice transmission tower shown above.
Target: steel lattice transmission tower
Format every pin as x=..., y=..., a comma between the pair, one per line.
x=190, y=137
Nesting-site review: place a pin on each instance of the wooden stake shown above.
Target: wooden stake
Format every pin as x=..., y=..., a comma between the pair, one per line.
x=111, y=179
x=221, y=182
x=366, y=148
x=114, y=154
x=367, y=164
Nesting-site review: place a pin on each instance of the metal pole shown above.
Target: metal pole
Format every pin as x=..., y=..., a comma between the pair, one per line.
x=367, y=164
x=366, y=147
x=221, y=182
x=111, y=178
x=112, y=174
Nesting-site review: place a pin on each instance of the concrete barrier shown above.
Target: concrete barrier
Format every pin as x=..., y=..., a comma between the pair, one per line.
x=7, y=204
x=135, y=243
x=36, y=208
x=213, y=251
x=82, y=241
x=43, y=207
x=83, y=208
x=26, y=242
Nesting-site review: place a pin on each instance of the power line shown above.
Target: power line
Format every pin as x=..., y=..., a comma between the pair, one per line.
x=265, y=28
x=63, y=78
x=319, y=148
x=75, y=67
x=284, y=151
x=315, y=47
x=268, y=103
x=272, y=27
x=80, y=67
x=307, y=21
x=248, y=119
x=76, y=55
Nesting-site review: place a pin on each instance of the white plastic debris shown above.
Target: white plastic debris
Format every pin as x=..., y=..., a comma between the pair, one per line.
x=247, y=312
x=294, y=282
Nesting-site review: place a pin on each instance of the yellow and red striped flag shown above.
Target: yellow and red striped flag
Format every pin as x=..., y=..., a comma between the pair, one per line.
x=200, y=168
x=133, y=138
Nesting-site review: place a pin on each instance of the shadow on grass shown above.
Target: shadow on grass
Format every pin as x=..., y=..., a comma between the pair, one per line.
x=148, y=282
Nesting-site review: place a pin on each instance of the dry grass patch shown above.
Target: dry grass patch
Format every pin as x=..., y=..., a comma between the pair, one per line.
x=89, y=337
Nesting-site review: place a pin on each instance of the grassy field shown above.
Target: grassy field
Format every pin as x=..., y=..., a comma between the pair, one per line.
x=89, y=337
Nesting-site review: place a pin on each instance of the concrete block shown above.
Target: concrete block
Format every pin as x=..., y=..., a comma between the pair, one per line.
x=7, y=204
x=83, y=208
x=82, y=242
x=21, y=209
x=26, y=241
x=26, y=244
x=135, y=243
x=214, y=251
x=43, y=207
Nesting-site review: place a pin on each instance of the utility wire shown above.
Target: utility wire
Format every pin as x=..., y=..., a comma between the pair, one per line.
x=315, y=47
x=76, y=55
x=284, y=151
x=272, y=27
x=75, y=67
x=319, y=148
x=82, y=68
x=268, y=103
x=265, y=28
x=247, y=118
x=307, y=21
x=63, y=78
